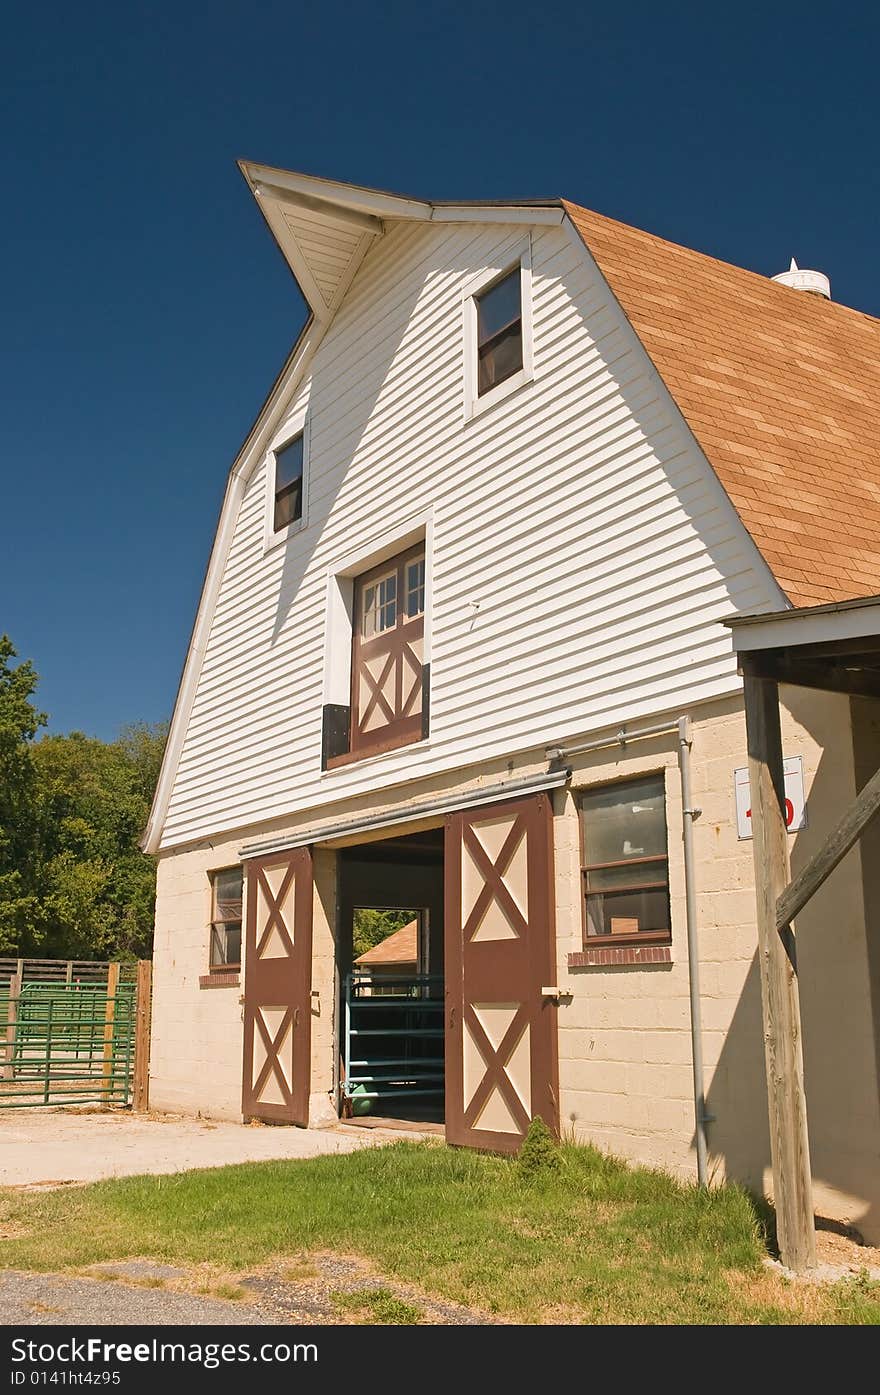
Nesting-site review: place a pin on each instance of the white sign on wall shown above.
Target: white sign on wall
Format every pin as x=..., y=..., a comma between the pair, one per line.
x=795, y=802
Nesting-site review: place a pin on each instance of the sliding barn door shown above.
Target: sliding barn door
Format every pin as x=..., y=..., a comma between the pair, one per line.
x=277, y=988
x=501, y=1042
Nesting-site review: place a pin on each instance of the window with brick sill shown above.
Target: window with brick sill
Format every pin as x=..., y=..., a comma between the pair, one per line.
x=224, y=960
x=389, y=678
x=625, y=872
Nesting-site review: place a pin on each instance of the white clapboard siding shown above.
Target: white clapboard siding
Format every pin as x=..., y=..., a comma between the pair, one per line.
x=583, y=551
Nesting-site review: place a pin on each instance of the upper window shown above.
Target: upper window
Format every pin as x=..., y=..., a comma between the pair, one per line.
x=625, y=861
x=497, y=324
x=379, y=605
x=499, y=332
x=226, y=897
x=388, y=679
x=289, y=468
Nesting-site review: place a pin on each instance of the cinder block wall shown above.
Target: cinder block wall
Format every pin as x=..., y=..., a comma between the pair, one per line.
x=625, y=1050
x=625, y=1053
x=196, y=1045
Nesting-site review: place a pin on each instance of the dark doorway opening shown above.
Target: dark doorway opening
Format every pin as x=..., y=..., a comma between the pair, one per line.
x=391, y=1010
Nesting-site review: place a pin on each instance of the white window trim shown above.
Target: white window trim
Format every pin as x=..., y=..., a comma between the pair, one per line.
x=340, y=618
x=475, y=404
x=293, y=427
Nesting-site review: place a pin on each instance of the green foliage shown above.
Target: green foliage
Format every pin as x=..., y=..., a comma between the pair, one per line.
x=19, y=723
x=73, y=881
x=540, y=1155
x=371, y=927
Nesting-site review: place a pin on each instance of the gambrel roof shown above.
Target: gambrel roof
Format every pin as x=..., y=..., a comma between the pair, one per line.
x=781, y=390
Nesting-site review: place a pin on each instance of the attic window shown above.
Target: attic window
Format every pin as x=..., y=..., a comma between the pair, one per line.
x=289, y=465
x=499, y=332
x=497, y=328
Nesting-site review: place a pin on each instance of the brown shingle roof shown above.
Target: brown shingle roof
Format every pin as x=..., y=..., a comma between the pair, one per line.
x=401, y=947
x=781, y=390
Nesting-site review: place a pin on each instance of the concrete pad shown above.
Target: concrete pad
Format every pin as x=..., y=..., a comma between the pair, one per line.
x=53, y=1148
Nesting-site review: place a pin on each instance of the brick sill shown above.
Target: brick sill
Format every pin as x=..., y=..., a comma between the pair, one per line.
x=620, y=954
x=220, y=978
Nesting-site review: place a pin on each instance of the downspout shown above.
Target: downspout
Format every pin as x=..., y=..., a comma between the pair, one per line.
x=689, y=813
x=681, y=727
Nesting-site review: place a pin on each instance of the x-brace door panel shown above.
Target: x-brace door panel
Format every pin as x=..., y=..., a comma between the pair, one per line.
x=277, y=991
x=501, y=1043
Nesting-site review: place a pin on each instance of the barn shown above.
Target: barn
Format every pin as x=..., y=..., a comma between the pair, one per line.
x=472, y=646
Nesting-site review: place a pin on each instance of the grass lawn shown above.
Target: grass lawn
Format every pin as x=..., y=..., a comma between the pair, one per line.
x=594, y=1241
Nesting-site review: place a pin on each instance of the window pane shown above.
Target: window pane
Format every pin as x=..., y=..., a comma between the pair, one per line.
x=624, y=821
x=288, y=483
x=288, y=464
x=379, y=606
x=288, y=506
x=225, y=944
x=227, y=894
x=415, y=587
x=629, y=875
x=500, y=358
x=233, y=944
x=627, y=912
x=499, y=306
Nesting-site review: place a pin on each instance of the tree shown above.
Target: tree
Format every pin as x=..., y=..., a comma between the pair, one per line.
x=97, y=889
x=73, y=880
x=371, y=926
x=19, y=723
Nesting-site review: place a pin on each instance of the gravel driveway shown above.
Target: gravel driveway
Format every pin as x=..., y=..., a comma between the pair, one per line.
x=304, y=1293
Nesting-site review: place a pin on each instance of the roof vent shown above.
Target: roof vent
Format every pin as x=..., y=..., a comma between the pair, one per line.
x=816, y=282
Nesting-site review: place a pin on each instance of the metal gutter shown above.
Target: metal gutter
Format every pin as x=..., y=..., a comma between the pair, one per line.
x=410, y=813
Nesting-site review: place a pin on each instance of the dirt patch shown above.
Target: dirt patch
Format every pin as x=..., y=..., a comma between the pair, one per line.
x=842, y=1245
x=314, y=1288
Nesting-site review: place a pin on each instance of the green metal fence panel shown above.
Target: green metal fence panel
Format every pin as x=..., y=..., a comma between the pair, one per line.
x=66, y=1044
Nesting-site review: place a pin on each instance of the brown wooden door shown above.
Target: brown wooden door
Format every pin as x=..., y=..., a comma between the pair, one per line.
x=387, y=689
x=277, y=988
x=501, y=1032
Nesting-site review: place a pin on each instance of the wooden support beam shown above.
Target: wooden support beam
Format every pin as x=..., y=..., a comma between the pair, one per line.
x=11, y=1019
x=141, y=1087
x=109, y=1019
x=789, y=1143
x=833, y=850
x=829, y=675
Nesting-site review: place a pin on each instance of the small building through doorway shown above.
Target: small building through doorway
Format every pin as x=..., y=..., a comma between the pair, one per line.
x=392, y=1049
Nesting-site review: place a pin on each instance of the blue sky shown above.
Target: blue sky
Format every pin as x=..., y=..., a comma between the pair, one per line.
x=145, y=311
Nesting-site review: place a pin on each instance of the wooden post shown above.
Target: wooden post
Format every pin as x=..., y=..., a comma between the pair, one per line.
x=141, y=1090
x=109, y=1015
x=789, y=1143
x=11, y=1018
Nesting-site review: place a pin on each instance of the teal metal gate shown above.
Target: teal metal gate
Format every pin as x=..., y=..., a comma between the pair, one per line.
x=66, y=1044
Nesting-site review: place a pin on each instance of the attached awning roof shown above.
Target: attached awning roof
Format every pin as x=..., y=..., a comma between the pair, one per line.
x=833, y=647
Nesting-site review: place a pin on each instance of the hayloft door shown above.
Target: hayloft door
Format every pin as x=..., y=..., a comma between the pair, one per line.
x=501, y=1028
x=277, y=984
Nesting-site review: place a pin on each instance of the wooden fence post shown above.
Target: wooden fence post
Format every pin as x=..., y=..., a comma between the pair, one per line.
x=777, y=955
x=141, y=1091
x=109, y=1016
x=11, y=1018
